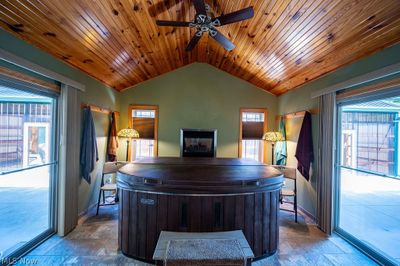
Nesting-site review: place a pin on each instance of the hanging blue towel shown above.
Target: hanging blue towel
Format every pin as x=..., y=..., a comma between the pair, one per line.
x=304, y=150
x=280, y=147
x=89, y=154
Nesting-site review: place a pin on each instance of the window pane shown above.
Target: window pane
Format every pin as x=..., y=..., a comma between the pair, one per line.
x=369, y=209
x=369, y=187
x=369, y=140
x=25, y=123
x=143, y=120
x=144, y=148
x=143, y=113
x=252, y=117
x=252, y=149
x=24, y=206
x=26, y=140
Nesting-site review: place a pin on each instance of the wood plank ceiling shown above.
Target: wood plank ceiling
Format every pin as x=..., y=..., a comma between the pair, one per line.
x=285, y=45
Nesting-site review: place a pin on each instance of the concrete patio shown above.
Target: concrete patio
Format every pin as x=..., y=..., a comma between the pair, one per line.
x=24, y=207
x=370, y=208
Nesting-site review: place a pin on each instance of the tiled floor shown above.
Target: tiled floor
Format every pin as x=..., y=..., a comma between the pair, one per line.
x=94, y=242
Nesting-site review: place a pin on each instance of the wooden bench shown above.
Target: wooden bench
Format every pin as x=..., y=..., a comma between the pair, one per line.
x=214, y=248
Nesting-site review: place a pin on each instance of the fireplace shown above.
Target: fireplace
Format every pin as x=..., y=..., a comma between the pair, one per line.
x=198, y=142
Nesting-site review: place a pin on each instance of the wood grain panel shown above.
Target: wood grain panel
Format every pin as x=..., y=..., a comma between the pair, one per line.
x=249, y=219
x=266, y=222
x=286, y=43
x=141, y=230
x=132, y=216
x=151, y=230
x=257, y=214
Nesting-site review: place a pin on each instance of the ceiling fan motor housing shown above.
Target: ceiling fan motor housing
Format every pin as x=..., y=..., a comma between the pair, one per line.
x=205, y=23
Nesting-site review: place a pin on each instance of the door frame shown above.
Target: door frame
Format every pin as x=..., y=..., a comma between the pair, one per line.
x=20, y=251
x=365, y=248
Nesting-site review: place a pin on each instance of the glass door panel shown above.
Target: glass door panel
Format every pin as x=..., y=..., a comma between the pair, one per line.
x=27, y=168
x=369, y=182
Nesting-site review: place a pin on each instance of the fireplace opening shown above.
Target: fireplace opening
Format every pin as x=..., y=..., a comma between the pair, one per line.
x=198, y=142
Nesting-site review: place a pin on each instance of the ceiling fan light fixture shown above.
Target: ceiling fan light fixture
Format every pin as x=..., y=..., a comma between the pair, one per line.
x=216, y=23
x=200, y=19
x=213, y=33
x=204, y=28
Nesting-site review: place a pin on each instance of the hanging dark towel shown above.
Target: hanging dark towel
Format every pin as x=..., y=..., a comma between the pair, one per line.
x=304, y=150
x=112, y=145
x=89, y=154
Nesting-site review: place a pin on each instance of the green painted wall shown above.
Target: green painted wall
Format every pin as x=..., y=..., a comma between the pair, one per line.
x=96, y=93
x=198, y=96
x=300, y=99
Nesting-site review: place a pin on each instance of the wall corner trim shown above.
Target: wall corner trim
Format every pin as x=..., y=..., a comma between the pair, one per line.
x=26, y=64
x=359, y=80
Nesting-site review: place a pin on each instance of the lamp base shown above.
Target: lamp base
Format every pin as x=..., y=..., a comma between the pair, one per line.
x=273, y=148
x=127, y=149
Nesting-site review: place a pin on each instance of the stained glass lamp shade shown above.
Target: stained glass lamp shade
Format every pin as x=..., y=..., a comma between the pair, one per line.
x=128, y=133
x=273, y=137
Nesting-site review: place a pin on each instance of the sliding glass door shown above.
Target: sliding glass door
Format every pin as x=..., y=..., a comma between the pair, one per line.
x=27, y=168
x=368, y=198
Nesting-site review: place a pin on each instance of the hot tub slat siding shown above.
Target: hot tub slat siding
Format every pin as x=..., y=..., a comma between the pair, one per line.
x=239, y=212
x=195, y=215
x=266, y=222
x=249, y=219
x=255, y=214
x=142, y=225
x=258, y=223
x=173, y=213
x=162, y=213
x=229, y=213
x=274, y=203
x=151, y=230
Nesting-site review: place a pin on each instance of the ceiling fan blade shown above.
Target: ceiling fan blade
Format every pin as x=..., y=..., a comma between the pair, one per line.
x=200, y=7
x=193, y=42
x=172, y=23
x=225, y=42
x=236, y=16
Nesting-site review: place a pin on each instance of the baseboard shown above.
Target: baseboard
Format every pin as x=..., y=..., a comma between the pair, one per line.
x=84, y=213
x=306, y=213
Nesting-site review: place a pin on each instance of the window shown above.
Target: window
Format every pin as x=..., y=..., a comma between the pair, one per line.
x=252, y=128
x=144, y=119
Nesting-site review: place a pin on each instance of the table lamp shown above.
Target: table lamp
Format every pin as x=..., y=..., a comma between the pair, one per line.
x=273, y=137
x=128, y=133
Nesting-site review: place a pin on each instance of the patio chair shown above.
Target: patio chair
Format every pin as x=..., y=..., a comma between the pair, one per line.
x=289, y=173
x=108, y=168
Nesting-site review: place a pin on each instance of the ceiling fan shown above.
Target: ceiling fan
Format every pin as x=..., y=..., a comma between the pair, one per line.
x=205, y=21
